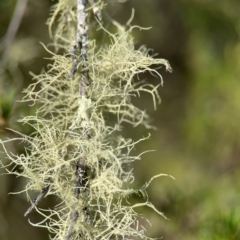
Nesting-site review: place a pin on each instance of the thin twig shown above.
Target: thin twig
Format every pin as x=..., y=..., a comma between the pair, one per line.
x=74, y=217
x=73, y=52
x=81, y=172
x=13, y=28
x=82, y=42
x=81, y=168
x=96, y=10
x=37, y=200
x=81, y=182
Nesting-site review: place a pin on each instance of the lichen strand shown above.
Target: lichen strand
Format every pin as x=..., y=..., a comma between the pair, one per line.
x=62, y=125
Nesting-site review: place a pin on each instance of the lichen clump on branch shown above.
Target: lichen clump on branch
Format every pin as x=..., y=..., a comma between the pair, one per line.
x=75, y=153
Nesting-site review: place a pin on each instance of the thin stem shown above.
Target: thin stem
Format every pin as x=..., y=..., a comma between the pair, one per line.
x=81, y=168
x=82, y=42
x=13, y=28
x=96, y=10
x=37, y=200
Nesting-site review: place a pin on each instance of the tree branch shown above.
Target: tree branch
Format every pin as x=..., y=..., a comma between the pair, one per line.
x=82, y=45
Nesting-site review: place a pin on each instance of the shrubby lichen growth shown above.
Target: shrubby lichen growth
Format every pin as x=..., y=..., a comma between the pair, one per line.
x=75, y=154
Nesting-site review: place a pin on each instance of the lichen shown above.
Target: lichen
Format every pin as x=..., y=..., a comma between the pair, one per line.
x=64, y=121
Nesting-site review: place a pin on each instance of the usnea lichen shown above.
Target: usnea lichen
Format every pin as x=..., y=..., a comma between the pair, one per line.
x=74, y=140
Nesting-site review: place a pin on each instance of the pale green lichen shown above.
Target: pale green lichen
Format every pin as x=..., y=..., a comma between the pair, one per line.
x=63, y=120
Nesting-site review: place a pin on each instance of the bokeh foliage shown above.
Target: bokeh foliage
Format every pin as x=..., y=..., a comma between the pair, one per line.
x=198, y=121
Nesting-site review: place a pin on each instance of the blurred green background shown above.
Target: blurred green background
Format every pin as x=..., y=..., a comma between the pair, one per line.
x=198, y=121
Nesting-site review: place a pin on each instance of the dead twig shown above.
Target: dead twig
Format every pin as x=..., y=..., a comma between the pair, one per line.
x=37, y=200
x=13, y=28
x=96, y=10
x=81, y=168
